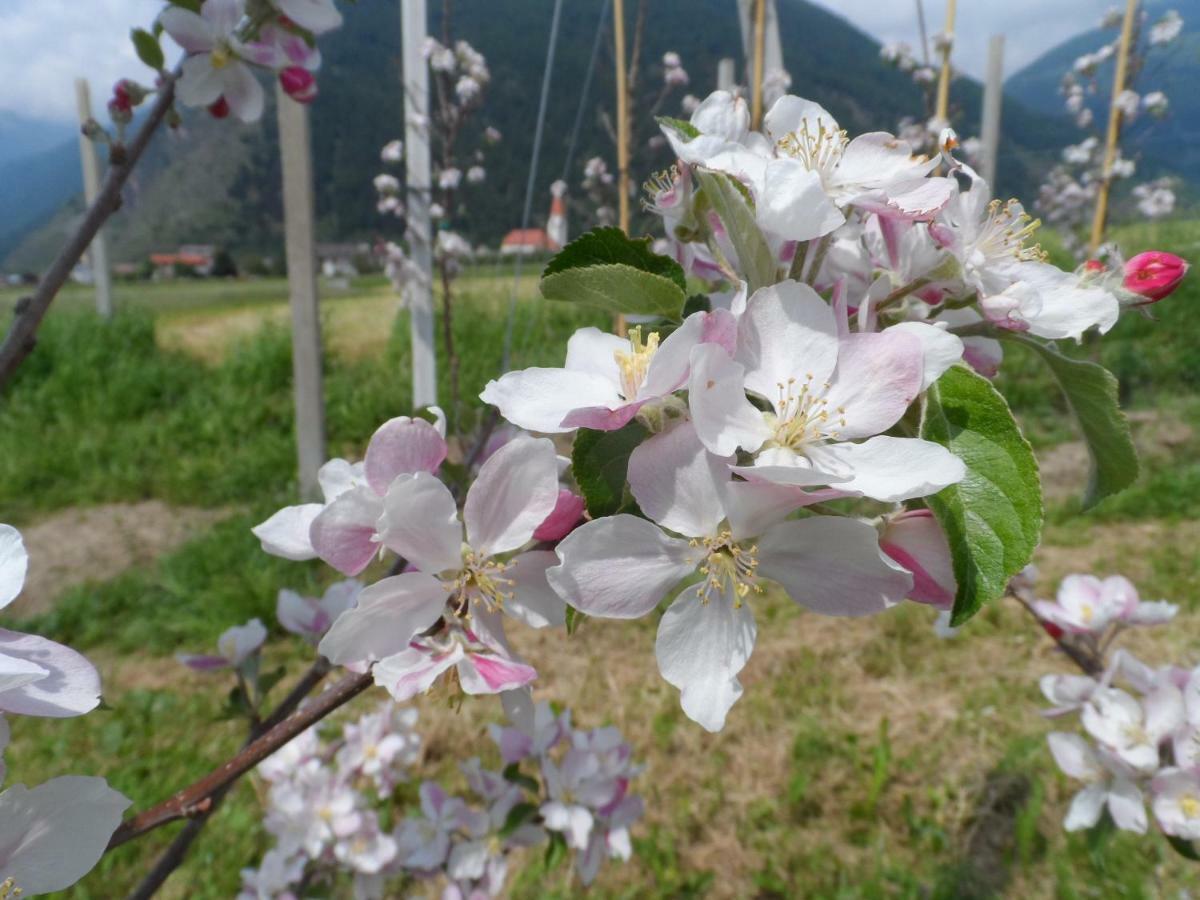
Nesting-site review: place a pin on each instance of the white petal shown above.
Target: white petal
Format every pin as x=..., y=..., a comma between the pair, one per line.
x=534, y=602
x=389, y=614
x=1085, y=808
x=787, y=332
x=724, y=418
x=891, y=469
x=516, y=489
x=318, y=16
x=877, y=377
x=941, y=348
x=412, y=671
x=338, y=476
x=793, y=204
x=199, y=83
x=678, y=483
x=16, y=672
x=701, y=646
x=420, y=522
x=539, y=399
x=592, y=351
x=788, y=113
x=1126, y=806
x=14, y=562
x=832, y=565
x=1075, y=755
x=243, y=92
x=668, y=368
x=620, y=567
x=71, y=688
x=285, y=534
x=189, y=30
x=53, y=835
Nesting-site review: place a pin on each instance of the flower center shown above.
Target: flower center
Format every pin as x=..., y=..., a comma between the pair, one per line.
x=1087, y=613
x=220, y=56
x=819, y=148
x=1189, y=805
x=634, y=363
x=1136, y=734
x=803, y=414
x=484, y=579
x=729, y=568
x=9, y=889
x=1007, y=229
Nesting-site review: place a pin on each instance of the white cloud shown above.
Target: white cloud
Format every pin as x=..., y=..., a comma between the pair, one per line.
x=1030, y=27
x=50, y=43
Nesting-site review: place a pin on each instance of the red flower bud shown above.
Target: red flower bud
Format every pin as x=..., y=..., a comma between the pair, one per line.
x=1094, y=265
x=1051, y=629
x=219, y=109
x=298, y=83
x=1153, y=275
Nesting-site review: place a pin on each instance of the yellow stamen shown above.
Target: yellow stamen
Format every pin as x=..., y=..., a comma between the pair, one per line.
x=634, y=363
x=819, y=148
x=728, y=568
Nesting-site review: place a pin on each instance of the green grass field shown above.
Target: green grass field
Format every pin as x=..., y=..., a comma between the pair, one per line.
x=866, y=759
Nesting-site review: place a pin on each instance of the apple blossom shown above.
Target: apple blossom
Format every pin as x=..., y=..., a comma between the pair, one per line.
x=234, y=647
x=311, y=618
x=393, y=151
x=1109, y=783
x=914, y=539
x=299, y=84
x=213, y=69
x=1176, y=802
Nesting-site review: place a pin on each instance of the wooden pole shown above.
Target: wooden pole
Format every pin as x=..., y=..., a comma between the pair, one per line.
x=622, y=127
x=993, y=97
x=943, y=91
x=725, y=76
x=98, y=250
x=756, y=81
x=923, y=32
x=419, y=291
x=1100, y=219
x=295, y=146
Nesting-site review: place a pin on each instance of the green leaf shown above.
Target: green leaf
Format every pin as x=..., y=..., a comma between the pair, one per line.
x=1091, y=392
x=147, y=47
x=1184, y=848
x=512, y=773
x=598, y=462
x=556, y=850
x=687, y=129
x=993, y=517
x=606, y=268
x=736, y=210
x=517, y=816
x=574, y=619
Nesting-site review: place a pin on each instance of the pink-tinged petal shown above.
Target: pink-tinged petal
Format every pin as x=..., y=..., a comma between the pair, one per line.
x=594, y=352
x=793, y=204
x=16, y=672
x=420, y=523
x=677, y=483
x=668, y=368
x=199, y=83
x=238, y=643
x=918, y=200
x=787, y=333
x=941, y=349
x=833, y=566
x=514, y=492
x=14, y=563
x=223, y=16
x=286, y=534
x=389, y=614
x=539, y=399
x=789, y=113
x=984, y=355
x=702, y=644
x=877, y=377
x=620, y=567
x=52, y=835
x=489, y=673
x=724, y=115
x=1119, y=595
x=299, y=615
x=189, y=30
x=338, y=476
x=1164, y=711
x=881, y=160
x=318, y=16
x=916, y=541
x=601, y=418
x=243, y=92
x=71, y=688
x=533, y=601
x=1126, y=806
x=890, y=469
x=723, y=417
x=754, y=506
x=203, y=662
x=413, y=671
x=720, y=325
x=568, y=510
x=344, y=533
x=402, y=446
x=1086, y=808
x=1075, y=755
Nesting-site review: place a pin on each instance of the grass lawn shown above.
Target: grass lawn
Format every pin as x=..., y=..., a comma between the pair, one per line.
x=867, y=758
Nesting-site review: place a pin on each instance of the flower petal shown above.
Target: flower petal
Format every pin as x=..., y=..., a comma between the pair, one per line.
x=890, y=469
x=723, y=417
x=877, y=377
x=14, y=563
x=540, y=399
x=941, y=349
x=678, y=483
x=344, y=532
x=389, y=614
x=832, y=565
x=188, y=29
x=1086, y=808
x=793, y=204
x=534, y=602
x=516, y=489
x=402, y=446
x=413, y=671
x=787, y=333
x=420, y=522
x=285, y=534
x=71, y=688
x=243, y=92
x=491, y=673
x=701, y=646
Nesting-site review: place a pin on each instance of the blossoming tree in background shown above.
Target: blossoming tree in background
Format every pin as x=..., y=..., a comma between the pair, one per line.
x=1068, y=196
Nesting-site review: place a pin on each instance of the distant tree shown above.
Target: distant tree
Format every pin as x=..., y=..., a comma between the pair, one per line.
x=223, y=265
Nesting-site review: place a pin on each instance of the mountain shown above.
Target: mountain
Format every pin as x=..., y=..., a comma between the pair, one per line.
x=219, y=183
x=1172, y=145
x=21, y=136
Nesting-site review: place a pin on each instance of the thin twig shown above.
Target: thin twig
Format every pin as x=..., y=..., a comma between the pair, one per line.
x=22, y=336
x=1087, y=663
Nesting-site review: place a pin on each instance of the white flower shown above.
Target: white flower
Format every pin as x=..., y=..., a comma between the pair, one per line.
x=1176, y=802
x=311, y=618
x=213, y=68
x=318, y=16
x=1166, y=29
x=449, y=179
x=234, y=647
x=1133, y=731
x=1108, y=783
x=393, y=151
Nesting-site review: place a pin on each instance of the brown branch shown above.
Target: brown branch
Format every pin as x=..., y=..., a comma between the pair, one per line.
x=197, y=798
x=22, y=335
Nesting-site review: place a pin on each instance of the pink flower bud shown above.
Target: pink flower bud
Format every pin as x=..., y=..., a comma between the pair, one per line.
x=1154, y=275
x=914, y=539
x=219, y=108
x=567, y=513
x=299, y=84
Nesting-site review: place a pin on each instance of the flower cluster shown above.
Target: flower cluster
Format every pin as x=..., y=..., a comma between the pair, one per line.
x=1068, y=194
x=53, y=834
x=1141, y=723
x=327, y=802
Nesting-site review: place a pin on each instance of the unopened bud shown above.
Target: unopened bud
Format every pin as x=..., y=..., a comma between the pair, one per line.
x=93, y=130
x=1153, y=275
x=567, y=513
x=298, y=83
x=915, y=540
x=219, y=108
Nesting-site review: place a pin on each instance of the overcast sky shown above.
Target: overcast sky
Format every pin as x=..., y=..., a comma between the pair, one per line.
x=46, y=44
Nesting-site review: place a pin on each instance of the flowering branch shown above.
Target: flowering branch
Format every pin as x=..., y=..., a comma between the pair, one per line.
x=21, y=338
